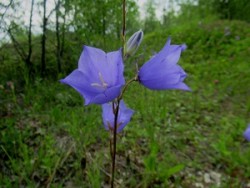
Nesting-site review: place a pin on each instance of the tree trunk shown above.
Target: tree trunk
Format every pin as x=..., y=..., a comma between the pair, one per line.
x=28, y=59
x=58, y=46
x=63, y=32
x=43, y=55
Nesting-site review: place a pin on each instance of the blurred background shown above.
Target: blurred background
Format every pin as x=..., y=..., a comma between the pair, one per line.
x=47, y=137
x=46, y=37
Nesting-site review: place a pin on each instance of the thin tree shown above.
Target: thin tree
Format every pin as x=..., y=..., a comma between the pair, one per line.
x=43, y=41
x=28, y=60
x=44, y=37
x=60, y=30
x=21, y=51
x=58, y=46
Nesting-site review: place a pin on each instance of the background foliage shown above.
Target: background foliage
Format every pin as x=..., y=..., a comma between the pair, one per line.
x=47, y=137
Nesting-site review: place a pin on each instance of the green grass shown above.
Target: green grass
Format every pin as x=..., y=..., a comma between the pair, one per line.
x=174, y=139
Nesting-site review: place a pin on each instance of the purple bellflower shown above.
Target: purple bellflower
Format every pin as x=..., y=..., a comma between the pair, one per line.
x=124, y=116
x=246, y=134
x=161, y=72
x=99, y=77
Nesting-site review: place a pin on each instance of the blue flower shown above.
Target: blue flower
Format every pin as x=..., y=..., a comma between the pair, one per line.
x=99, y=77
x=161, y=72
x=124, y=116
x=246, y=134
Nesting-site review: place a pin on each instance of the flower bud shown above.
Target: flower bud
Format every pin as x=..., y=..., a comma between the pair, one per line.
x=133, y=43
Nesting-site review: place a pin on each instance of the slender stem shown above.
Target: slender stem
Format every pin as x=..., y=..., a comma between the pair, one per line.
x=110, y=146
x=126, y=86
x=116, y=104
x=114, y=143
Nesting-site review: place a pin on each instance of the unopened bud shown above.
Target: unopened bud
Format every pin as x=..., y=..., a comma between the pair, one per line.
x=133, y=43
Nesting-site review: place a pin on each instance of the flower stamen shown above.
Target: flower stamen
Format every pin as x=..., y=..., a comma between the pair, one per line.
x=102, y=85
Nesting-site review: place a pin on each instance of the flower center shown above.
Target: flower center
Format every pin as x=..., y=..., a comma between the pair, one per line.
x=102, y=84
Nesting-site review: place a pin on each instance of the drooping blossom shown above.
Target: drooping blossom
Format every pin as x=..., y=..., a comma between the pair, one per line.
x=124, y=116
x=133, y=43
x=246, y=134
x=99, y=77
x=162, y=72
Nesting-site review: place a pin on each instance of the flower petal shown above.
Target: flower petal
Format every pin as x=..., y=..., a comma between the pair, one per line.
x=246, y=134
x=159, y=71
x=170, y=57
x=80, y=83
x=107, y=115
x=163, y=84
x=162, y=72
x=107, y=96
x=92, y=57
x=115, y=73
x=124, y=116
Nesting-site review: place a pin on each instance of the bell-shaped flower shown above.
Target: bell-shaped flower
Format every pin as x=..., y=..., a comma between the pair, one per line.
x=99, y=77
x=133, y=43
x=124, y=116
x=161, y=72
x=246, y=134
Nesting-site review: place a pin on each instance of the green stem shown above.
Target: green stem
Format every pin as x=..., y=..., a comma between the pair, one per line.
x=126, y=86
x=114, y=143
x=117, y=105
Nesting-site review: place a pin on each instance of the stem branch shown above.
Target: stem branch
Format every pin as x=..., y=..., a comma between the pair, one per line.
x=126, y=86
